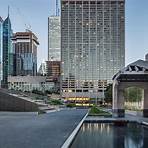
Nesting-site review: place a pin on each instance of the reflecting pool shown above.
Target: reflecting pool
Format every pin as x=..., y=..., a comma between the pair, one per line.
x=109, y=135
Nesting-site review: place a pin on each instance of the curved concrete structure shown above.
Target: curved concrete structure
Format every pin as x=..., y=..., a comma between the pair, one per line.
x=134, y=75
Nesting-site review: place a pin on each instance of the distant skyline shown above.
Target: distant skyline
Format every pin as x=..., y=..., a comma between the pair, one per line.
x=36, y=13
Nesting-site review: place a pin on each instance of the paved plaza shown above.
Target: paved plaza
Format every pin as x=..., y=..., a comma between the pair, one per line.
x=29, y=130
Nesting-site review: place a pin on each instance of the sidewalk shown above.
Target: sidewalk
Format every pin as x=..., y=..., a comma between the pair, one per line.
x=28, y=130
x=131, y=116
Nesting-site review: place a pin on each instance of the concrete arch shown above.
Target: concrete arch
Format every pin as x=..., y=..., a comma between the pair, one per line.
x=118, y=97
x=124, y=85
x=134, y=75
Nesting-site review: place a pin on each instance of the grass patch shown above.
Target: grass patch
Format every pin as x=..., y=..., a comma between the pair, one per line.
x=54, y=102
x=95, y=111
x=70, y=105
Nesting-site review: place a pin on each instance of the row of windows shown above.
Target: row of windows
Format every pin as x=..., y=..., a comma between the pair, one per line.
x=100, y=28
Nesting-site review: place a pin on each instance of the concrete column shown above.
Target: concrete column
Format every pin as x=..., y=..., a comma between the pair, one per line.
x=145, y=103
x=118, y=101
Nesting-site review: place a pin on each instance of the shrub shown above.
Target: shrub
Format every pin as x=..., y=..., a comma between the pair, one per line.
x=55, y=102
x=71, y=105
x=97, y=111
x=37, y=92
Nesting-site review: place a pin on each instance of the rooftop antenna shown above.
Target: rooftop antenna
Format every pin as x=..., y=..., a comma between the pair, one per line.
x=8, y=10
x=57, y=8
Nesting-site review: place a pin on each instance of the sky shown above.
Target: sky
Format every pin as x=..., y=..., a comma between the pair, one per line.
x=35, y=13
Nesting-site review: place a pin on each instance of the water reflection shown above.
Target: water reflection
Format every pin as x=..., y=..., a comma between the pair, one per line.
x=107, y=135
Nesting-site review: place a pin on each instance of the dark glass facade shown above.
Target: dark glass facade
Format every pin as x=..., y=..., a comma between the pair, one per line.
x=8, y=53
x=1, y=48
x=25, y=47
x=92, y=45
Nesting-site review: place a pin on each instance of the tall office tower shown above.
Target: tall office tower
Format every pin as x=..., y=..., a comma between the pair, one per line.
x=54, y=38
x=25, y=47
x=92, y=45
x=1, y=48
x=42, y=69
x=8, y=53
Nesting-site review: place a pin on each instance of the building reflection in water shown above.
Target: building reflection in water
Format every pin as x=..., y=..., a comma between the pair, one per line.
x=108, y=135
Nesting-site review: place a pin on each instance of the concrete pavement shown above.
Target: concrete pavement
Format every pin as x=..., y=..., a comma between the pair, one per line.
x=28, y=130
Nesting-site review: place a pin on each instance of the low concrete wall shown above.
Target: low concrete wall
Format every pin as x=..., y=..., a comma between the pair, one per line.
x=12, y=103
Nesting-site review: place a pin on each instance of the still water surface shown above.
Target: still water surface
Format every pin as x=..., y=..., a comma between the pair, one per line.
x=108, y=135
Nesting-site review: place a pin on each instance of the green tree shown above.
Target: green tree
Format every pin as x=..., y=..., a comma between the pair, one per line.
x=133, y=94
x=108, y=94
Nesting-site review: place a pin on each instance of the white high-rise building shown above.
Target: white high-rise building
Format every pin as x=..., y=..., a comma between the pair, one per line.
x=42, y=69
x=54, y=38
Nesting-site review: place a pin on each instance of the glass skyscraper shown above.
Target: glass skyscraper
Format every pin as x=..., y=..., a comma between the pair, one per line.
x=54, y=38
x=92, y=45
x=8, y=53
x=1, y=48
